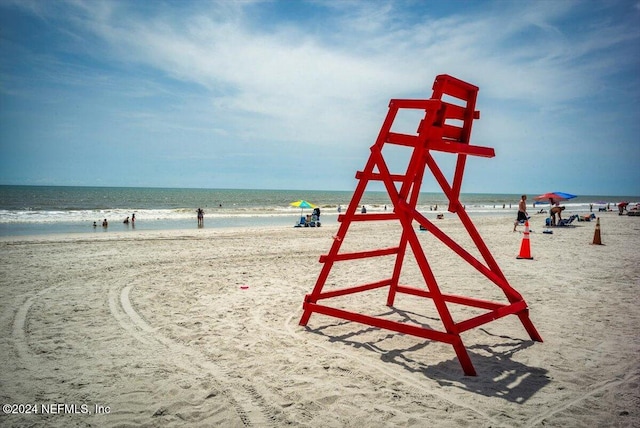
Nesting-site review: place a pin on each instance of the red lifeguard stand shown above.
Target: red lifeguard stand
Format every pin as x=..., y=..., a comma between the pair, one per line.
x=445, y=127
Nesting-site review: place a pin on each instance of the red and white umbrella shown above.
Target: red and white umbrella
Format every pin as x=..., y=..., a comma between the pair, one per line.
x=554, y=197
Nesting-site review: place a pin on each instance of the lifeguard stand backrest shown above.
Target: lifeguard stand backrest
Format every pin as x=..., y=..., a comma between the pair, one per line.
x=456, y=116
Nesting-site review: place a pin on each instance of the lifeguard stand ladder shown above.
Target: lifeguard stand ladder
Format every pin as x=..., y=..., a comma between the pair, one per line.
x=439, y=130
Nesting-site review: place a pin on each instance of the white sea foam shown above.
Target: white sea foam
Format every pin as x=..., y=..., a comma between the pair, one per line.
x=115, y=215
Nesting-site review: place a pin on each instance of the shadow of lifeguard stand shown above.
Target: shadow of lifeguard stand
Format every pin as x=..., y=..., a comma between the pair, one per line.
x=445, y=127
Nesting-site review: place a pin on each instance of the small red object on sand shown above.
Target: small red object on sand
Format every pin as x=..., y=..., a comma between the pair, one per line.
x=525, y=246
x=244, y=287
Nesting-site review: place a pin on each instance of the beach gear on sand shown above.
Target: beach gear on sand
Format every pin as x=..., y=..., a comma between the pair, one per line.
x=302, y=204
x=552, y=198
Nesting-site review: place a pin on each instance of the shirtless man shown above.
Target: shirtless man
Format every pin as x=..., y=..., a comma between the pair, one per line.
x=522, y=212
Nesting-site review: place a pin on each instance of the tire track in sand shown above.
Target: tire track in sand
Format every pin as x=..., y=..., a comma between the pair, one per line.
x=19, y=332
x=249, y=405
x=593, y=390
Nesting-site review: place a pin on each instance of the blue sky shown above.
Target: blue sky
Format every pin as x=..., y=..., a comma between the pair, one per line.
x=291, y=94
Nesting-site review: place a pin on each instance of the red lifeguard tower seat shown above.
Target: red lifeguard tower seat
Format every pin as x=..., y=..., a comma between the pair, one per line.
x=445, y=127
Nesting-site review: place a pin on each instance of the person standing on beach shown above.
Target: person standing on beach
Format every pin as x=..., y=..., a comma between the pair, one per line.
x=200, y=217
x=522, y=211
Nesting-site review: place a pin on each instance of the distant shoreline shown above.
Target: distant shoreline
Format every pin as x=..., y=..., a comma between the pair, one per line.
x=26, y=210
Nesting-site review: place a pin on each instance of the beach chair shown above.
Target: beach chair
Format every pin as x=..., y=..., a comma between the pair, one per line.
x=567, y=221
x=314, y=222
x=315, y=217
x=301, y=223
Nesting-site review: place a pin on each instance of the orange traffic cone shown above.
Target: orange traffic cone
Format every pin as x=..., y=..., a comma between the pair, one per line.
x=596, y=235
x=525, y=247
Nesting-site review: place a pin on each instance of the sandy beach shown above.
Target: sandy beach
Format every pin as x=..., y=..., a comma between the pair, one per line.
x=200, y=328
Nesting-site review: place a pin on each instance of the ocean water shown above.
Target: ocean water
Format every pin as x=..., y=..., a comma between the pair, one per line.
x=28, y=210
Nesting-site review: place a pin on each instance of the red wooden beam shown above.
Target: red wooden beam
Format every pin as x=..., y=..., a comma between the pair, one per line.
x=351, y=290
x=361, y=254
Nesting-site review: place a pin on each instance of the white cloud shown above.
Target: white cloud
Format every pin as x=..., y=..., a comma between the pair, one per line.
x=227, y=75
